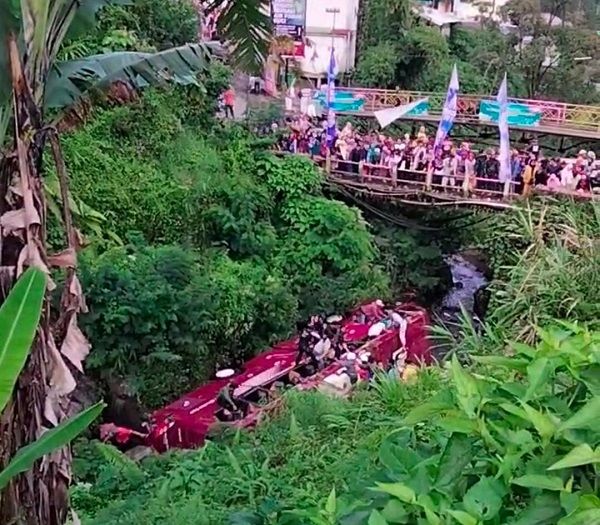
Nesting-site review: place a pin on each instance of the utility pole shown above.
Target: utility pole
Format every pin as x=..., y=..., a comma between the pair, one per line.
x=334, y=11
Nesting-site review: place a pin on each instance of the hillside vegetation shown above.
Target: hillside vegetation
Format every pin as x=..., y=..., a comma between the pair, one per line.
x=204, y=248
x=510, y=436
x=222, y=246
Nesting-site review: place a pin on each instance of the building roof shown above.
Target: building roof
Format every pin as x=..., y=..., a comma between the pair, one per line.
x=438, y=18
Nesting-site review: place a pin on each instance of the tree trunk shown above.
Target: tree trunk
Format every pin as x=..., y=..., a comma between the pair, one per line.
x=40, y=401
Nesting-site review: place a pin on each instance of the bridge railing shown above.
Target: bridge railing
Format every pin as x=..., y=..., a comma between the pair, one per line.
x=396, y=179
x=561, y=114
x=379, y=177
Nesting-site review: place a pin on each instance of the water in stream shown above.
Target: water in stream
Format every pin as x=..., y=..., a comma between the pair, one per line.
x=467, y=280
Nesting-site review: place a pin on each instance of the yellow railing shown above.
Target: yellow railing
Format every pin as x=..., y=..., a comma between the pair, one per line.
x=554, y=114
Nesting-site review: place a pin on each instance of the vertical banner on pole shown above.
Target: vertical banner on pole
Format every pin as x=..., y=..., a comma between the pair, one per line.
x=331, y=124
x=448, y=111
x=502, y=99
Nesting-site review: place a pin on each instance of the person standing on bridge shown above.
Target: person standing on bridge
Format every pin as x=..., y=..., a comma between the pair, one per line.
x=470, y=180
x=449, y=167
x=393, y=163
x=529, y=177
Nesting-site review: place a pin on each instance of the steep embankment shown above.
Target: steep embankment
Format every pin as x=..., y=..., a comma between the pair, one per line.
x=204, y=248
x=284, y=472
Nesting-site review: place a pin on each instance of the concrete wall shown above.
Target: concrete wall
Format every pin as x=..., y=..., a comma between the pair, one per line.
x=471, y=10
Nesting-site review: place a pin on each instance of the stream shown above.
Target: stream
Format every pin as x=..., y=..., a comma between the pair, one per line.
x=467, y=280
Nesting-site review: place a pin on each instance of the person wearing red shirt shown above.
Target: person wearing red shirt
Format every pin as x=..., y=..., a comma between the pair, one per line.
x=229, y=101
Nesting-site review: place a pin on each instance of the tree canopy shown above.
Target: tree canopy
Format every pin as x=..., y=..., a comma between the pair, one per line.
x=549, y=52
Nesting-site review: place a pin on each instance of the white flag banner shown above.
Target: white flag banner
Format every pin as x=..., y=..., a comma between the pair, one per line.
x=502, y=99
x=448, y=111
x=386, y=116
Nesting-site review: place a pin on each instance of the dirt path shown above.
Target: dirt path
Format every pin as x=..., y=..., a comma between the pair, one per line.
x=240, y=85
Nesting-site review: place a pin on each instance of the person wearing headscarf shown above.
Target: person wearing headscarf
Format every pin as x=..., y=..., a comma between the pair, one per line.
x=529, y=177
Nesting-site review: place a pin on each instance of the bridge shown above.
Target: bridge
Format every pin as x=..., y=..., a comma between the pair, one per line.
x=557, y=118
x=423, y=188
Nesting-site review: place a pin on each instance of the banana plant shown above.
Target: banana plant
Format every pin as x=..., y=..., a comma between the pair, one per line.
x=19, y=319
x=31, y=35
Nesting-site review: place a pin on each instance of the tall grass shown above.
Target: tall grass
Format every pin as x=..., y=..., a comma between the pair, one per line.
x=292, y=462
x=556, y=276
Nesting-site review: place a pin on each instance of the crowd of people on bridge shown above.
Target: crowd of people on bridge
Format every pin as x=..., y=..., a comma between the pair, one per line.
x=454, y=164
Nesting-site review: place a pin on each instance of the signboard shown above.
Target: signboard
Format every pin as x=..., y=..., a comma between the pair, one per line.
x=289, y=22
x=342, y=101
x=518, y=114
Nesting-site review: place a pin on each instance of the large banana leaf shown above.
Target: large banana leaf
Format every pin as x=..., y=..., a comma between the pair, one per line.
x=19, y=318
x=5, y=112
x=69, y=81
x=40, y=27
x=49, y=441
x=246, y=24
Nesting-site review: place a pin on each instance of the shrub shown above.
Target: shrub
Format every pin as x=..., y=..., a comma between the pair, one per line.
x=166, y=318
x=509, y=444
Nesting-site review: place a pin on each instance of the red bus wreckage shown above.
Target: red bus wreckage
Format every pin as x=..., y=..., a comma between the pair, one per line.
x=188, y=421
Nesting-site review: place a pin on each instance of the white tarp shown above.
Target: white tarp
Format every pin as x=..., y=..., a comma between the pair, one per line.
x=386, y=116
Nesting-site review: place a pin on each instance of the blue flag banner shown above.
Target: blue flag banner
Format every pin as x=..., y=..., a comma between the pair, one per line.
x=448, y=111
x=331, y=125
x=502, y=99
x=518, y=114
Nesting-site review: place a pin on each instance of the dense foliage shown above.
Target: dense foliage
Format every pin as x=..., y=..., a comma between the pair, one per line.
x=512, y=437
x=225, y=246
x=143, y=25
x=204, y=248
x=546, y=262
x=167, y=318
x=542, y=58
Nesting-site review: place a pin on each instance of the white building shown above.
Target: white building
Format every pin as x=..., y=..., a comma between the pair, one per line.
x=474, y=9
x=329, y=22
x=444, y=13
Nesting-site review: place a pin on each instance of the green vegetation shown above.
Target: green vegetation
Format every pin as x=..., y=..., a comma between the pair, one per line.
x=511, y=437
x=19, y=319
x=224, y=246
x=143, y=25
x=289, y=463
x=202, y=248
x=398, y=50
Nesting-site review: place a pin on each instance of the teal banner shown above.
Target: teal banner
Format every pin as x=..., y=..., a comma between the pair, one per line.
x=421, y=108
x=518, y=114
x=342, y=101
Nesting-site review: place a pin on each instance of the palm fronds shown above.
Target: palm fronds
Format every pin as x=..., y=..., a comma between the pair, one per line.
x=69, y=81
x=247, y=27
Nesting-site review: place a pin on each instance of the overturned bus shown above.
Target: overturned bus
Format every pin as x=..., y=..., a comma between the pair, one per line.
x=188, y=421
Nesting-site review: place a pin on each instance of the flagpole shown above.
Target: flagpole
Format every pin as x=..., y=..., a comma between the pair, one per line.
x=331, y=124
x=446, y=121
x=505, y=174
